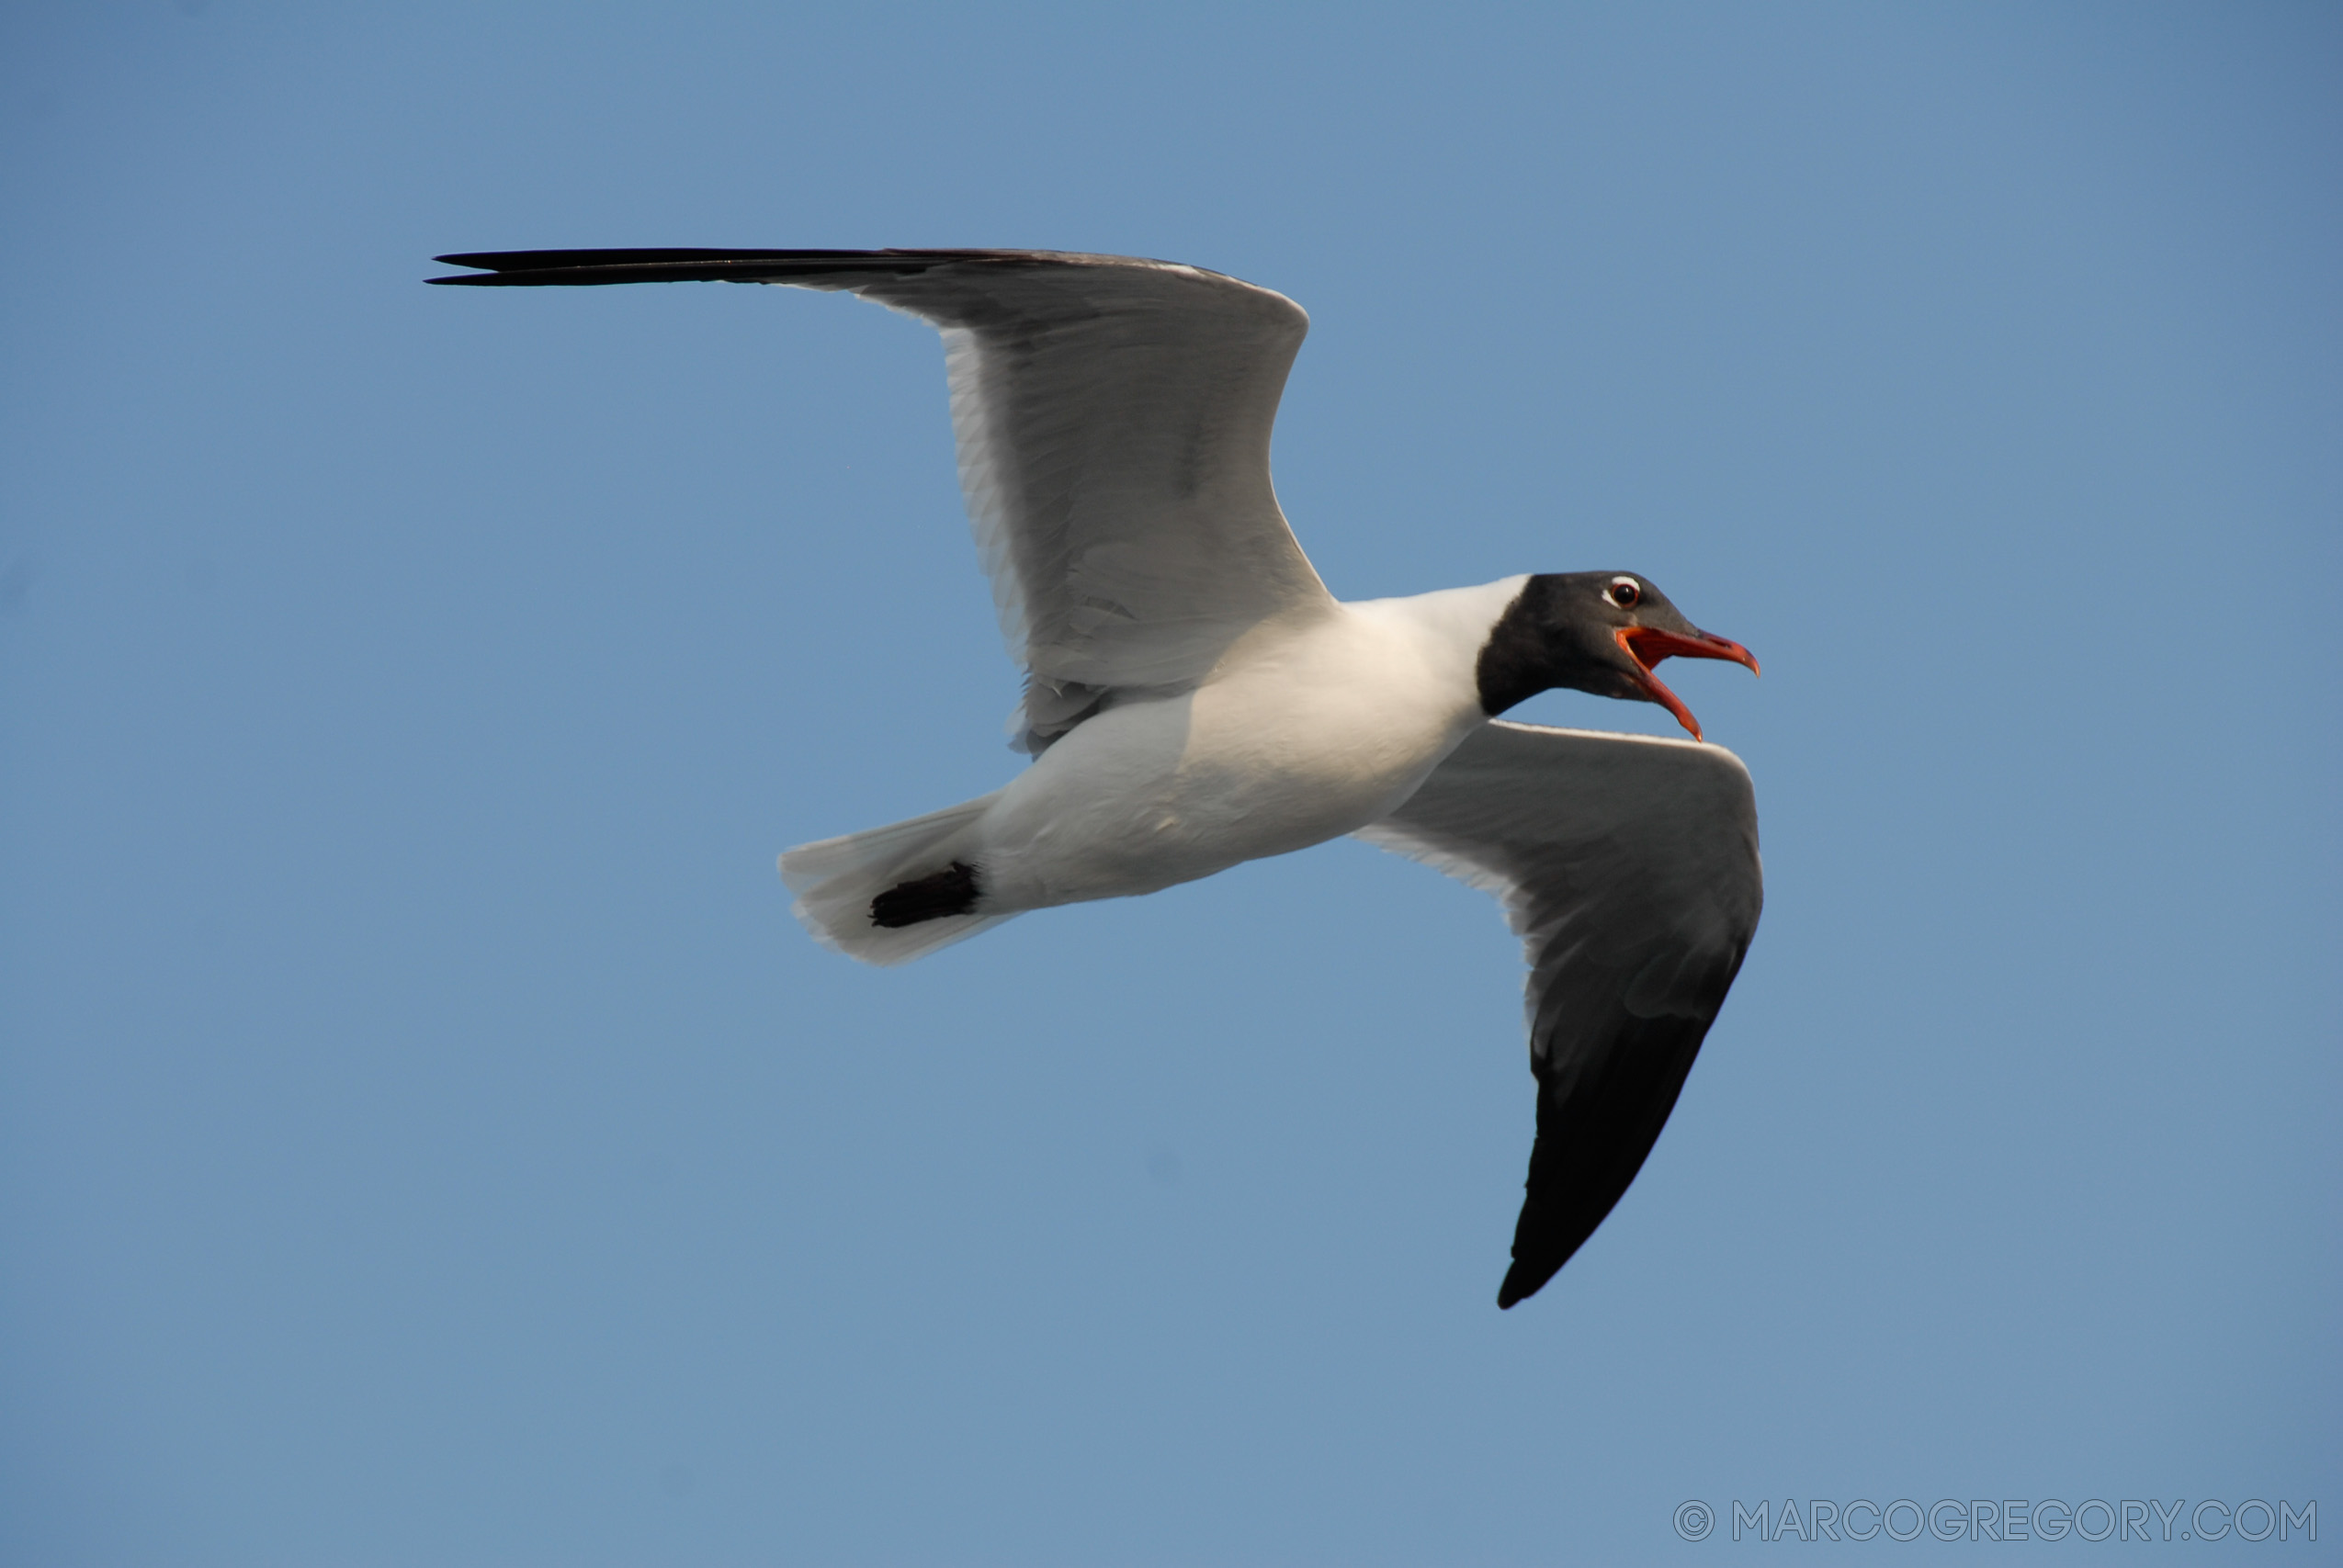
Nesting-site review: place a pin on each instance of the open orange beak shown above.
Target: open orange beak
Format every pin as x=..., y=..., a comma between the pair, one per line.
x=1649, y=645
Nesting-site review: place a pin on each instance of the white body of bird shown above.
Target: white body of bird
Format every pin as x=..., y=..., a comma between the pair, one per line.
x=1303, y=733
x=1311, y=725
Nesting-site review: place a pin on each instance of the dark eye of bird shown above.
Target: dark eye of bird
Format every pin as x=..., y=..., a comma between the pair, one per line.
x=1627, y=592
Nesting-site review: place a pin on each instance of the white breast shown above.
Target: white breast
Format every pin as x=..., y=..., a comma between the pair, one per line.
x=1305, y=731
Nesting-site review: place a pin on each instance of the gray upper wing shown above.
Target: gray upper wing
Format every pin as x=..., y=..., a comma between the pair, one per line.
x=1113, y=417
x=1629, y=869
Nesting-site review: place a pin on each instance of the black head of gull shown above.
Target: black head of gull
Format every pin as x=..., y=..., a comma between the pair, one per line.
x=1593, y=631
x=1196, y=698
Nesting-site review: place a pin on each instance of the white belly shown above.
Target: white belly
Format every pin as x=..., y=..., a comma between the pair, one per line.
x=1301, y=738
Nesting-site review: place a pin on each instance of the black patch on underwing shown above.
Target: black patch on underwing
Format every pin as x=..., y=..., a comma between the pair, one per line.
x=952, y=891
x=1594, y=1128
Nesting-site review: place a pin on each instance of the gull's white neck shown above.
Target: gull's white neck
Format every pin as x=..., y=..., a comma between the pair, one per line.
x=1450, y=626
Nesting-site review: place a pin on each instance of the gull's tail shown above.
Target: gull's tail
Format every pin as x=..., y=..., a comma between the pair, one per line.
x=836, y=879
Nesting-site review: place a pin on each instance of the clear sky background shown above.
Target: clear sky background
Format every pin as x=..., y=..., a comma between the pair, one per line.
x=426, y=1138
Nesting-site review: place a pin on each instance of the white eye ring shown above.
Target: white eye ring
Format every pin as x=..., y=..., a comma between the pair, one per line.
x=1625, y=593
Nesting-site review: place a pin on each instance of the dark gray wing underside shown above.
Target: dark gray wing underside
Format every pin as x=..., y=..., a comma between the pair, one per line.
x=1629, y=869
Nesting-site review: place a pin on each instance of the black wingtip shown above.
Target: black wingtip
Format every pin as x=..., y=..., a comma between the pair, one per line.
x=698, y=264
x=1520, y=1284
x=527, y=269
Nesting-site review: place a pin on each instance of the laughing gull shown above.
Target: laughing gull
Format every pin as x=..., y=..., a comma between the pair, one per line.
x=1194, y=697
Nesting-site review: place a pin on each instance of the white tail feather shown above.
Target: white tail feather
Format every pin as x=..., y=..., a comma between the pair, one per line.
x=835, y=879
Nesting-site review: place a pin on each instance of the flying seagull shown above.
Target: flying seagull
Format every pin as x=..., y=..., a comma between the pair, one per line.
x=1194, y=697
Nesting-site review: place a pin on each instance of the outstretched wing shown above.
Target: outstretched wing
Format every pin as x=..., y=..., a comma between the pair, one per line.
x=1113, y=418
x=1629, y=868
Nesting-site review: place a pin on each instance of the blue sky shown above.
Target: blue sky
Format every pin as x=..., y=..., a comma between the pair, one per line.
x=426, y=1137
